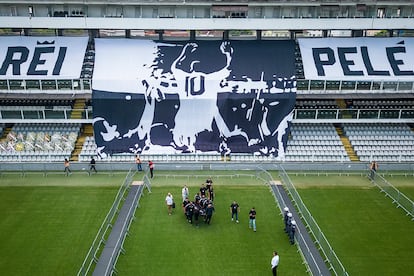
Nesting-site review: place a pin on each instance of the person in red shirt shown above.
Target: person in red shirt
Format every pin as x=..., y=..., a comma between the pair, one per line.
x=151, y=168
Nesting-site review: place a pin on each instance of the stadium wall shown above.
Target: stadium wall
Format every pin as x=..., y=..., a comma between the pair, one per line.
x=108, y=167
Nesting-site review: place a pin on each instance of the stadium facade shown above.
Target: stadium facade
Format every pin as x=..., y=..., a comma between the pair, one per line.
x=353, y=79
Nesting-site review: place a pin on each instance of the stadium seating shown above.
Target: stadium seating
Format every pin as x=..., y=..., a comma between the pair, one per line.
x=88, y=63
x=39, y=142
x=382, y=142
x=88, y=149
x=307, y=143
x=315, y=142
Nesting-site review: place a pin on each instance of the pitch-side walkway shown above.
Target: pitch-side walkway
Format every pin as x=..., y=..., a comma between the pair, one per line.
x=314, y=259
x=114, y=242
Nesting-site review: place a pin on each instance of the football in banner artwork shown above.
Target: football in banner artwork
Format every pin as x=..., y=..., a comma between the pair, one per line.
x=193, y=96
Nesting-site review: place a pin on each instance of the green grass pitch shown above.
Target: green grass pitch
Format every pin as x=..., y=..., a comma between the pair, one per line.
x=368, y=233
x=160, y=244
x=48, y=223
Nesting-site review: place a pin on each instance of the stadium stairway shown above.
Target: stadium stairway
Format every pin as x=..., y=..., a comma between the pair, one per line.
x=6, y=131
x=87, y=130
x=342, y=105
x=347, y=144
x=78, y=108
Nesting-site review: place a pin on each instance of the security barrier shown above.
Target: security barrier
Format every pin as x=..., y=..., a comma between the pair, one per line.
x=398, y=197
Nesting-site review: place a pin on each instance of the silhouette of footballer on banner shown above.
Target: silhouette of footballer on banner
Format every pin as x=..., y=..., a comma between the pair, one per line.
x=204, y=96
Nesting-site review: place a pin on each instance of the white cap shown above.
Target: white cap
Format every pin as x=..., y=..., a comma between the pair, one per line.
x=289, y=215
x=293, y=222
x=286, y=209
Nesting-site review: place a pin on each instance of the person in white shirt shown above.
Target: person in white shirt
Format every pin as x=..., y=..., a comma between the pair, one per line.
x=184, y=192
x=169, y=201
x=274, y=263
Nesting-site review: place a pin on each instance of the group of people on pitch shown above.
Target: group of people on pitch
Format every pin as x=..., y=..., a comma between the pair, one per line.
x=202, y=205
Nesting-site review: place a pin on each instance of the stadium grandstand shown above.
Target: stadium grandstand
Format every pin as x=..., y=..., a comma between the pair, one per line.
x=361, y=108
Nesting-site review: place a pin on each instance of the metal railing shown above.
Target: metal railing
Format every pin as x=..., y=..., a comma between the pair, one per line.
x=266, y=177
x=332, y=259
x=103, y=232
x=110, y=269
x=45, y=86
x=354, y=114
x=147, y=181
x=398, y=197
x=297, y=9
x=41, y=113
x=305, y=86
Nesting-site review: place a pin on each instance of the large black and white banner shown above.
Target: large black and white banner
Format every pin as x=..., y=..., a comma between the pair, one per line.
x=203, y=96
x=358, y=58
x=27, y=57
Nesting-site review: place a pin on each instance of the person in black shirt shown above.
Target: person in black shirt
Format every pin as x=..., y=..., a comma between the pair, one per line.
x=209, y=186
x=285, y=217
x=289, y=223
x=234, y=210
x=211, y=193
x=185, y=202
x=292, y=231
x=196, y=212
x=197, y=198
x=252, y=219
x=209, y=213
x=92, y=165
x=189, y=211
x=203, y=202
x=209, y=182
x=203, y=190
